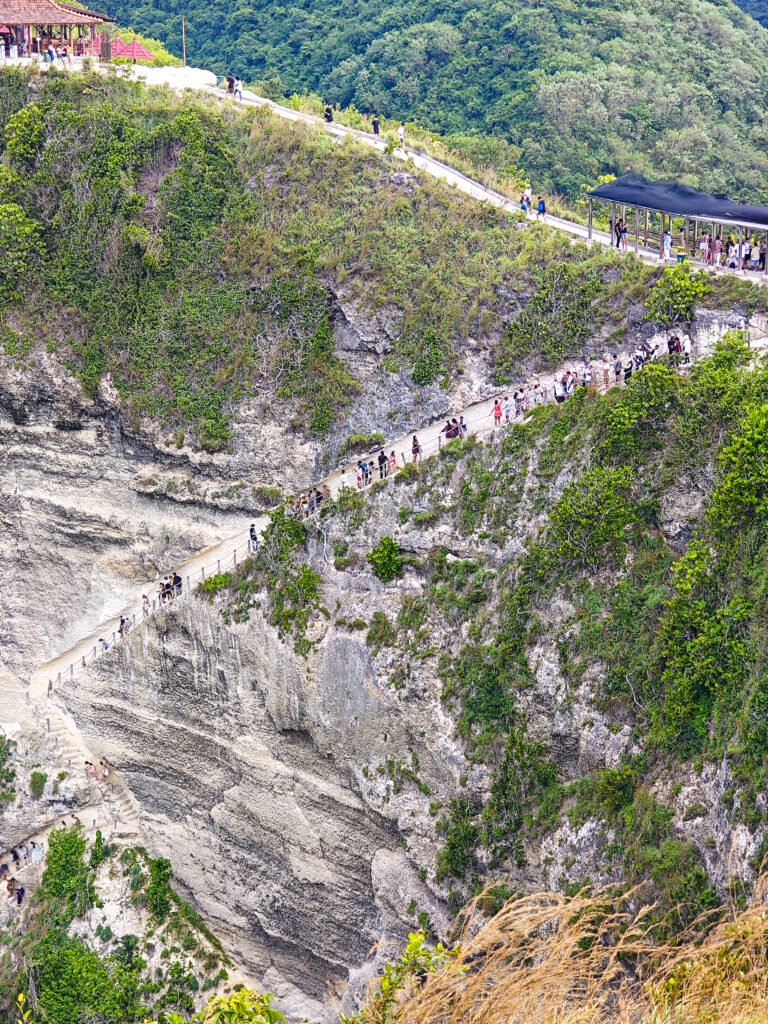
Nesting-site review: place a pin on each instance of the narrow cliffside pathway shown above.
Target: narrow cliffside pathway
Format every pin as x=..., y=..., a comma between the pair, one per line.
x=429, y=165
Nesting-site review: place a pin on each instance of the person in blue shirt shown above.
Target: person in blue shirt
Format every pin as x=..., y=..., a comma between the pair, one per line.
x=541, y=209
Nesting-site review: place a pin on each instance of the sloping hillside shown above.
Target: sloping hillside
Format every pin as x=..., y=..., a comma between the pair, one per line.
x=581, y=89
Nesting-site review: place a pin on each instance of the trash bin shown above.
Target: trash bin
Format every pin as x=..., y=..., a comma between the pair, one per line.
x=682, y=257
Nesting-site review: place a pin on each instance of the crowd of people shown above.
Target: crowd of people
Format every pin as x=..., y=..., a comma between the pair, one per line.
x=713, y=250
x=21, y=856
x=601, y=374
x=303, y=507
x=32, y=852
x=53, y=50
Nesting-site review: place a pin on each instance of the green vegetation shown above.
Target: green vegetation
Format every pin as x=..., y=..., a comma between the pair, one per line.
x=69, y=981
x=398, y=977
x=196, y=271
x=386, y=560
x=578, y=91
x=278, y=570
x=652, y=598
x=7, y=772
x=37, y=781
x=676, y=294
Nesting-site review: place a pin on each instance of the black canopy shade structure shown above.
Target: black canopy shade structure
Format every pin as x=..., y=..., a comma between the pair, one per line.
x=681, y=200
x=671, y=199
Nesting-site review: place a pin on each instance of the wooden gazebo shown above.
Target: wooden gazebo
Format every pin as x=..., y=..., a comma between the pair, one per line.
x=30, y=22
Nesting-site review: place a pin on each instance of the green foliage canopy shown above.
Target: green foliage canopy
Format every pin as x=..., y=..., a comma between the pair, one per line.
x=580, y=90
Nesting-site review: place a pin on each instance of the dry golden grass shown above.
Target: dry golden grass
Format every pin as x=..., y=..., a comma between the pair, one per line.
x=591, y=959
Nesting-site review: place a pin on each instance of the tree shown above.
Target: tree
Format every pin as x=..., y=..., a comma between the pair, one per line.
x=20, y=247
x=591, y=514
x=674, y=296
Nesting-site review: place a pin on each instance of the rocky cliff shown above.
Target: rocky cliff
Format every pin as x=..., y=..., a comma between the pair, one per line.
x=258, y=775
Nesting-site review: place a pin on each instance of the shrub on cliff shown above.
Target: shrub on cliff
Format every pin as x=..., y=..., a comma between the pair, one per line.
x=386, y=561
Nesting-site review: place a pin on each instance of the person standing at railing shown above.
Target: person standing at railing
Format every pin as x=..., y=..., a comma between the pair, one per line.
x=383, y=462
x=415, y=449
x=177, y=584
x=392, y=464
x=145, y=606
x=253, y=538
x=462, y=429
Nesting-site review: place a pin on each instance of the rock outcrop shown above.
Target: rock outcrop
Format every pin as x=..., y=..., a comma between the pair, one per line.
x=246, y=761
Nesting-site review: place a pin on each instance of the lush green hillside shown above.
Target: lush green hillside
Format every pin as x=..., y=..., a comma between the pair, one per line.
x=757, y=9
x=581, y=88
x=195, y=257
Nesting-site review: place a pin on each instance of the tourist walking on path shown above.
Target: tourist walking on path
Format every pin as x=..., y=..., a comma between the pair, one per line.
x=401, y=134
x=238, y=90
x=666, y=246
x=541, y=210
x=376, y=125
x=497, y=413
x=415, y=449
x=328, y=113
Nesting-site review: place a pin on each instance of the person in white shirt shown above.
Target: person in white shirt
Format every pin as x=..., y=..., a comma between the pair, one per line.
x=401, y=134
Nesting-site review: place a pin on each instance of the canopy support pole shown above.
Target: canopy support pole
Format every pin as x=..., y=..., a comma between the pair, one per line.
x=637, y=230
x=613, y=224
x=765, y=256
x=687, y=233
x=645, y=235
x=589, y=222
x=738, y=252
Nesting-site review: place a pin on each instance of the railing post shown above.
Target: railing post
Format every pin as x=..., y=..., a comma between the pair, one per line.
x=202, y=571
x=58, y=678
x=218, y=565
x=187, y=584
x=234, y=557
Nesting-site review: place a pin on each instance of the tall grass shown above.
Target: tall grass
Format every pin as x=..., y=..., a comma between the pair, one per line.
x=591, y=959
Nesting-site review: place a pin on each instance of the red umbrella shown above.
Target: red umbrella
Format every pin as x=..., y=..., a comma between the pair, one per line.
x=4, y=29
x=134, y=51
x=118, y=46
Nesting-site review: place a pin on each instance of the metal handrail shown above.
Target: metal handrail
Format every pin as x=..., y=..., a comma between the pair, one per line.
x=602, y=381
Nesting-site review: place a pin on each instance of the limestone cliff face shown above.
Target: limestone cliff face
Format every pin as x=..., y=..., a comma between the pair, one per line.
x=246, y=762
x=76, y=539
